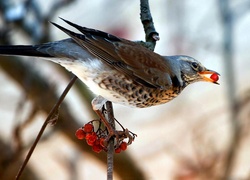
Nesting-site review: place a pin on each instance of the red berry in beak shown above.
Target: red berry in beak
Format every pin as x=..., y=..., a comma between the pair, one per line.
x=214, y=77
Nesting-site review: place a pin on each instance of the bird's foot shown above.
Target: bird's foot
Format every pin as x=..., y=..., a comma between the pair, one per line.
x=119, y=135
x=98, y=136
x=125, y=133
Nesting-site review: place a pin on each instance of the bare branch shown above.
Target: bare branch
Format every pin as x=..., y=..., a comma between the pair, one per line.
x=151, y=35
x=110, y=153
x=46, y=122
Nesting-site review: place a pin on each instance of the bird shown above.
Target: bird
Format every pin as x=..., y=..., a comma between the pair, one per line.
x=116, y=69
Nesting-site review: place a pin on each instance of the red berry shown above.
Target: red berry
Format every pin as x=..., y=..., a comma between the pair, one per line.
x=97, y=148
x=118, y=150
x=123, y=146
x=88, y=135
x=97, y=141
x=80, y=134
x=91, y=138
x=214, y=77
x=88, y=128
x=90, y=143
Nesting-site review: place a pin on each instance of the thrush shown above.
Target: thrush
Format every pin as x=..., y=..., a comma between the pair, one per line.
x=117, y=69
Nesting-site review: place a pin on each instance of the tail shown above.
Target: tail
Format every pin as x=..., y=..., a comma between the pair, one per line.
x=63, y=50
x=22, y=50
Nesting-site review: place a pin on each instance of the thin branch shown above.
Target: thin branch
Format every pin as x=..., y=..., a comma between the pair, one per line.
x=53, y=111
x=110, y=153
x=151, y=35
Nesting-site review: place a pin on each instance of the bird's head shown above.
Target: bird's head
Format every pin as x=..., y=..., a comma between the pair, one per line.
x=193, y=71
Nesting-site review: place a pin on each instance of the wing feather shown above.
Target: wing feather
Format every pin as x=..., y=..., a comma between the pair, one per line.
x=136, y=61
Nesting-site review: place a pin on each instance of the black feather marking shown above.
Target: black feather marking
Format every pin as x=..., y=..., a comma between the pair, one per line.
x=70, y=33
x=175, y=81
x=92, y=32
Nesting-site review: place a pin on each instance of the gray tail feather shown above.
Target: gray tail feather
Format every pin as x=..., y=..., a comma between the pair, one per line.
x=22, y=50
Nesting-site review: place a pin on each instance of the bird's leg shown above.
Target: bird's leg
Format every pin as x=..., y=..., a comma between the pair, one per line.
x=97, y=105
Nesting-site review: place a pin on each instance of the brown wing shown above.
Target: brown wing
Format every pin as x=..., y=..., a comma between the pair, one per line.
x=136, y=61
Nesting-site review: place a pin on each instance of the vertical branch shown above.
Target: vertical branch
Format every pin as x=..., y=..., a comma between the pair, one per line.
x=110, y=153
x=228, y=59
x=151, y=36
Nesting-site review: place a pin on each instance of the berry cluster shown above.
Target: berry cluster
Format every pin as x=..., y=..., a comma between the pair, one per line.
x=98, y=139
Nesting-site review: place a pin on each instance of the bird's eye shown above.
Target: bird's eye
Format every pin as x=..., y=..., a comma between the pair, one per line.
x=195, y=65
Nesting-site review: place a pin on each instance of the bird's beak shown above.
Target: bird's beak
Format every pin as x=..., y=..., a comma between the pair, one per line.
x=210, y=76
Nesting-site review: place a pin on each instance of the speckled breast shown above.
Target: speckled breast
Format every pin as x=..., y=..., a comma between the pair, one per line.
x=125, y=91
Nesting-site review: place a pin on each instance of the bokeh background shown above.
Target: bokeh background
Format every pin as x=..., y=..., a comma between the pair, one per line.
x=202, y=134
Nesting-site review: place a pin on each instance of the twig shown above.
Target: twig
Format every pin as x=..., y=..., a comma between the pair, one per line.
x=46, y=122
x=110, y=153
x=151, y=35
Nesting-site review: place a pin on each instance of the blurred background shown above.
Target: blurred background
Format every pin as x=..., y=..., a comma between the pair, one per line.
x=202, y=134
